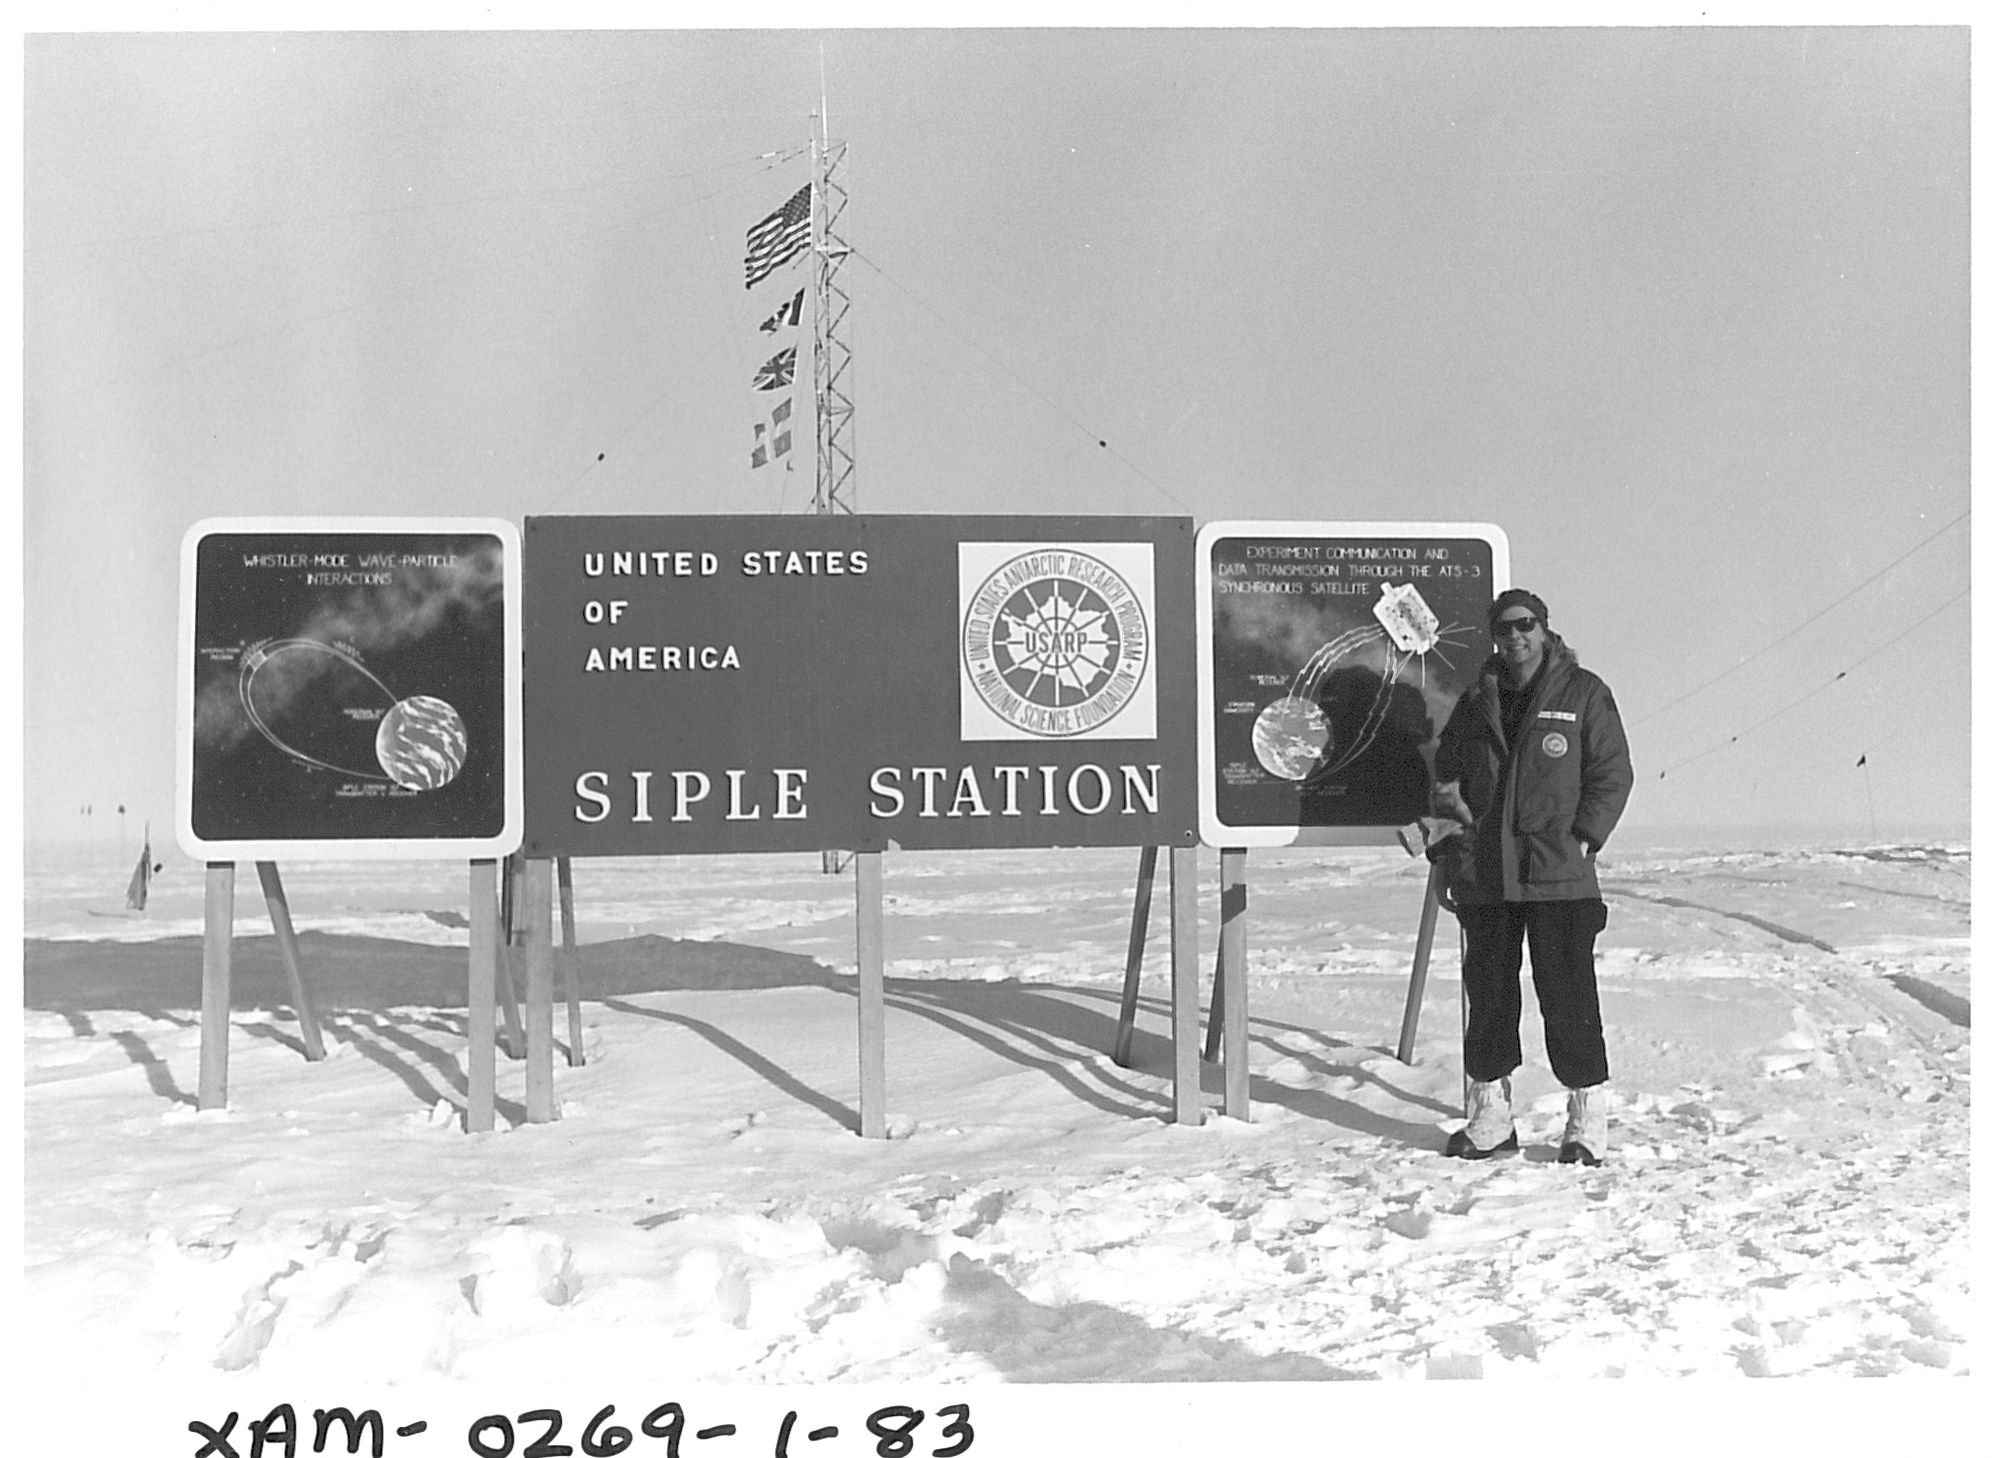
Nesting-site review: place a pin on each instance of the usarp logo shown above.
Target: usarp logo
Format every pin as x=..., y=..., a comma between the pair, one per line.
x=1057, y=640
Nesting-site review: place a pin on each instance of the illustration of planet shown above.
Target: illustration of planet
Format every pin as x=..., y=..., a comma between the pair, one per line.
x=1291, y=736
x=421, y=743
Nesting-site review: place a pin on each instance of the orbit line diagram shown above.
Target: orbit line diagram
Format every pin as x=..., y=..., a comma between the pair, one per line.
x=421, y=743
x=1292, y=736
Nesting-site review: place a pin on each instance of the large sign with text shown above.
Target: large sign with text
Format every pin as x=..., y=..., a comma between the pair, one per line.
x=743, y=683
x=1329, y=657
x=349, y=688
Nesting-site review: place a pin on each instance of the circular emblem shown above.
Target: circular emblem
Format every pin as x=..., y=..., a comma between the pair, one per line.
x=1056, y=642
x=1555, y=745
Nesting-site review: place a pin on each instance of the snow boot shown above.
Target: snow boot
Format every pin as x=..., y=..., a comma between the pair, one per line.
x=1490, y=1130
x=1586, y=1126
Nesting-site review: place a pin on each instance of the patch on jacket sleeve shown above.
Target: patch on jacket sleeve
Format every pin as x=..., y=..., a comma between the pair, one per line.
x=1570, y=718
x=1554, y=745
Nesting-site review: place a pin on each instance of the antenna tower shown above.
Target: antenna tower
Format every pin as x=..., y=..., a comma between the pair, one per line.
x=831, y=353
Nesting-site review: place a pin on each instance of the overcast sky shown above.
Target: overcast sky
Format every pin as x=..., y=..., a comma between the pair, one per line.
x=1685, y=312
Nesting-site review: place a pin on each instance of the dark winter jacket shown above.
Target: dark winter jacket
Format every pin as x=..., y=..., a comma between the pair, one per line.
x=1566, y=780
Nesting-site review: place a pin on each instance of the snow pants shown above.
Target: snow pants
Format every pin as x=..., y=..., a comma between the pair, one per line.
x=1561, y=935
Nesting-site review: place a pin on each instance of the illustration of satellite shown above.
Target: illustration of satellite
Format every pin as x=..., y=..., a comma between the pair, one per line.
x=1406, y=618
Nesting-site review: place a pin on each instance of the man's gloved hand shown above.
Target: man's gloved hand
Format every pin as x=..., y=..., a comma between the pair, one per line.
x=1446, y=799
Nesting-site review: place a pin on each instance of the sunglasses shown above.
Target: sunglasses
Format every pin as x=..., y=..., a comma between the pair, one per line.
x=1503, y=627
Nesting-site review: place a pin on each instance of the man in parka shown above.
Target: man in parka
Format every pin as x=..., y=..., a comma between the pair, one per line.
x=1534, y=764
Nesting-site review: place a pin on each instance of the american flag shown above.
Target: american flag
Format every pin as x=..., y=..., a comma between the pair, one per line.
x=779, y=237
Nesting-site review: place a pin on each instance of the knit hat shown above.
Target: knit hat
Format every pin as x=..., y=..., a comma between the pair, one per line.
x=1518, y=597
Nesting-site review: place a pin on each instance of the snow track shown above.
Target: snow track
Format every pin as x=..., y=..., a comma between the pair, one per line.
x=1785, y=1192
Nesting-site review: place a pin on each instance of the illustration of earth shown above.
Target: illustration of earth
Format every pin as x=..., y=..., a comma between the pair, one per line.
x=1291, y=736
x=421, y=743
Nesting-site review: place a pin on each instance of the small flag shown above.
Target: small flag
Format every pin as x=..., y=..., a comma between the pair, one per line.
x=1862, y=760
x=135, y=891
x=779, y=237
x=774, y=439
x=785, y=317
x=778, y=371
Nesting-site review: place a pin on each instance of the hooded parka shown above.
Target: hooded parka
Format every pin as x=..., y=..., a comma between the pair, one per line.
x=1566, y=779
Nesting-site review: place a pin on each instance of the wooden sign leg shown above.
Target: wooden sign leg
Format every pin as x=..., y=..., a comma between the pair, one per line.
x=481, y=1058
x=1215, y=1016
x=514, y=1041
x=1423, y=948
x=1233, y=976
x=294, y=968
x=1132, y=972
x=1184, y=985
x=216, y=949
x=565, y=872
x=872, y=995
x=509, y=895
x=510, y=977
x=537, y=931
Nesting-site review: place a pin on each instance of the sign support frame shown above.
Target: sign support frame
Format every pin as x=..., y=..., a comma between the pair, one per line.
x=564, y=868
x=536, y=908
x=481, y=1052
x=1132, y=972
x=869, y=911
x=1231, y=980
x=1423, y=948
x=217, y=952
x=1187, y=1104
x=294, y=971
x=218, y=974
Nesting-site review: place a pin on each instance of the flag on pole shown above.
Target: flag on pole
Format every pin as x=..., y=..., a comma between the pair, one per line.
x=786, y=317
x=773, y=438
x=1862, y=760
x=778, y=370
x=778, y=238
x=135, y=891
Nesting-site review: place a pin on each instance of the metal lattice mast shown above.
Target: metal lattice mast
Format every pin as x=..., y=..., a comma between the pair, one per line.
x=831, y=351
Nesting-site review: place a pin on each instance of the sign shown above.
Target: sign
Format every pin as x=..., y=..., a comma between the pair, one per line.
x=764, y=683
x=1329, y=657
x=349, y=688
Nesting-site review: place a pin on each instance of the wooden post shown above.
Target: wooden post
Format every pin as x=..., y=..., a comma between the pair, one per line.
x=872, y=996
x=480, y=1056
x=216, y=948
x=1215, y=1016
x=294, y=969
x=1184, y=985
x=536, y=906
x=509, y=887
x=1423, y=948
x=571, y=979
x=1132, y=973
x=1233, y=976
x=514, y=1041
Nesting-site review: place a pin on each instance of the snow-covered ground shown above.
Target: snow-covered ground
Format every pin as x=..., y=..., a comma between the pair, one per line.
x=1787, y=1190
